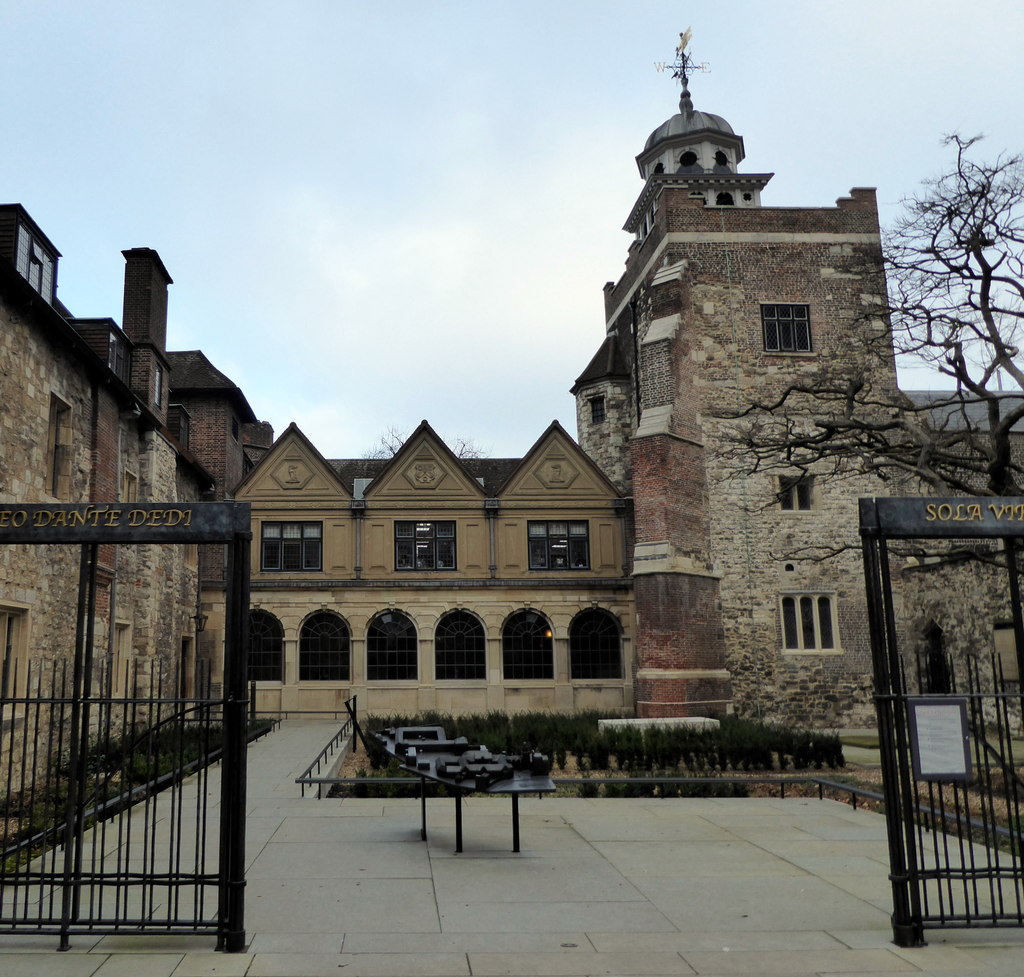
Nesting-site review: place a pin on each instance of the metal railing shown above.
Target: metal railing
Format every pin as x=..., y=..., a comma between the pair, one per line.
x=307, y=777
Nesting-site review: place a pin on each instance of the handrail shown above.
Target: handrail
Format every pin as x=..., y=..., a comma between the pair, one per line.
x=306, y=777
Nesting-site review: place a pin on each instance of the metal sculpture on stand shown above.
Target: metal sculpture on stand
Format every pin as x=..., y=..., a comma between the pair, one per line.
x=427, y=752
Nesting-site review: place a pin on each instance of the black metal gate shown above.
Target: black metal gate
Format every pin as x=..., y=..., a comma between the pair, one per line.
x=110, y=821
x=952, y=784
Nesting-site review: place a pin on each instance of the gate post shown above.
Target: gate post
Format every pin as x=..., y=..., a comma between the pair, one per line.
x=236, y=712
x=907, y=929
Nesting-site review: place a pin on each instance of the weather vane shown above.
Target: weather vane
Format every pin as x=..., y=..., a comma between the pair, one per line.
x=683, y=64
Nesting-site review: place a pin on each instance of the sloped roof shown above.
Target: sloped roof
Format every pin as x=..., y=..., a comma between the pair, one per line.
x=492, y=472
x=192, y=372
x=607, y=363
x=953, y=409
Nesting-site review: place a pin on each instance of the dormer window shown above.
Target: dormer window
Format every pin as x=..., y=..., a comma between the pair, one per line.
x=117, y=354
x=36, y=263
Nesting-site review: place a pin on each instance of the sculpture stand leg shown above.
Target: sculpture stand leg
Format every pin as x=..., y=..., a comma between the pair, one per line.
x=515, y=822
x=458, y=824
x=423, y=808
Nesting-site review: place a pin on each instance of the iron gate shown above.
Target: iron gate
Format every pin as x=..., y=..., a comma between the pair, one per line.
x=953, y=787
x=108, y=824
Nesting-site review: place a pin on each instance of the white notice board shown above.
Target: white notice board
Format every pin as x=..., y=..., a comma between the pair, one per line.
x=939, y=737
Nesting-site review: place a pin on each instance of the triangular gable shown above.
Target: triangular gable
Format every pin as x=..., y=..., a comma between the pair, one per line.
x=556, y=467
x=424, y=470
x=292, y=470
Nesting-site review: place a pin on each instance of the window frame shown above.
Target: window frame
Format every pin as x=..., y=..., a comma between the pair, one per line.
x=471, y=661
x=59, y=442
x=606, y=663
x=432, y=542
x=309, y=545
x=265, y=628
x=598, y=409
x=554, y=539
x=805, y=621
x=333, y=663
x=390, y=662
x=796, y=493
x=526, y=664
x=771, y=320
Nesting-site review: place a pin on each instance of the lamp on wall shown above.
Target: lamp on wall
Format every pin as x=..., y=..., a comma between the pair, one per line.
x=200, y=620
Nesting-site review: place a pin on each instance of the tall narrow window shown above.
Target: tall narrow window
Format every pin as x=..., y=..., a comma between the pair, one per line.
x=59, y=449
x=266, y=647
x=13, y=680
x=808, y=623
x=597, y=411
x=158, y=385
x=323, y=648
x=527, y=648
x=391, y=648
x=787, y=328
x=460, y=649
x=595, y=646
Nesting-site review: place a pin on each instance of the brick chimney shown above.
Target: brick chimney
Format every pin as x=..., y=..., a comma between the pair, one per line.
x=144, y=320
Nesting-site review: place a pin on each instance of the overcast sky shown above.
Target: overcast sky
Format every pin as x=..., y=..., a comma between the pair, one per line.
x=376, y=213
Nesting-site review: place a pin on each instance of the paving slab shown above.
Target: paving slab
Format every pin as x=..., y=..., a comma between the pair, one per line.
x=629, y=886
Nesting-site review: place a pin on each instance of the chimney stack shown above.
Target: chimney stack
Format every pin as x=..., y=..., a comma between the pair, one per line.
x=144, y=320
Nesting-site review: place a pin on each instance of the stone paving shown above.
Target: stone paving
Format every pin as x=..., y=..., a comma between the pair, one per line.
x=789, y=887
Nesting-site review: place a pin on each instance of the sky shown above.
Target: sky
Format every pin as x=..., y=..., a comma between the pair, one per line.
x=380, y=213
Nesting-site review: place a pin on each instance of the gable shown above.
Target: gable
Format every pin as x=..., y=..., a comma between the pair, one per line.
x=424, y=471
x=557, y=468
x=292, y=471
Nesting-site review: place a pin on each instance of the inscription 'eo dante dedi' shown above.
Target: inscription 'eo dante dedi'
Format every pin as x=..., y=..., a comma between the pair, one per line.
x=152, y=522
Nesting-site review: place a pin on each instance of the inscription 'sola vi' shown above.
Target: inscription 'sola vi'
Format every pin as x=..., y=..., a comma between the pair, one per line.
x=972, y=512
x=94, y=516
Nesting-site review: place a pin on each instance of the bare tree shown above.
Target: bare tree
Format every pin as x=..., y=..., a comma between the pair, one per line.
x=955, y=265
x=392, y=438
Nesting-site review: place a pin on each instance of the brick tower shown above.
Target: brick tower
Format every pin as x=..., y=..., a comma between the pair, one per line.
x=723, y=301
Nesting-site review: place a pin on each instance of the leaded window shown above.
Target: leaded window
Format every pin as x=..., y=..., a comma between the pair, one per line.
x=391, y=648
x=595, y=646
x=787, y=328
x=808, y=622
x=559, y=545
x=460, y=647
x=527, y=649
x=424, y=545
x=795, y=494
x=292, y=546
x=266, y=647
x=323, y=648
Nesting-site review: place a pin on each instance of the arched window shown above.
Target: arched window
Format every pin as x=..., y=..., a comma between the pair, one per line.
x=266, y=647
x=391, y=648
x=724, y=199
x=595, y=646
x=323, y=649
x=689, y=158
x=460, y=649
x=526, y=647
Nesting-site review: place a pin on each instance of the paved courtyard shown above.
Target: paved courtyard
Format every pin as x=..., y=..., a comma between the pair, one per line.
x=614, y=887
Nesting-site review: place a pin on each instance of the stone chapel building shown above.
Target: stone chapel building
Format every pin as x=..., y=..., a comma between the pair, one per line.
x=723, y=301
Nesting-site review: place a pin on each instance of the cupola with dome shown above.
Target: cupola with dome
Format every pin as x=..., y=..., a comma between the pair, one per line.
x=696, y=149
